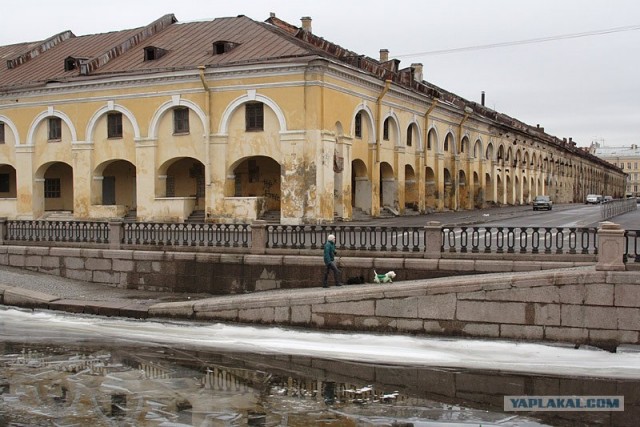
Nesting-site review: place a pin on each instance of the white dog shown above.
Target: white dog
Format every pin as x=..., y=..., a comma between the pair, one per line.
x=384, y=278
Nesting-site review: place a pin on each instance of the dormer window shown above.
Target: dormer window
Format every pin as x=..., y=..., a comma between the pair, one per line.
x=151, y=53
x=222, y=46
x=72, y=63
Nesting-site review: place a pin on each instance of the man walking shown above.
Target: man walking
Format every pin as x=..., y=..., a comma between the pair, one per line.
x=329, y=261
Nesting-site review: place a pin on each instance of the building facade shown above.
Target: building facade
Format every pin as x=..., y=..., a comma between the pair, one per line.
x=627, y=159
x=231, y=119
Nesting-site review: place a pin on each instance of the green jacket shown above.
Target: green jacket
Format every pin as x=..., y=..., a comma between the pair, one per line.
x=329, y=252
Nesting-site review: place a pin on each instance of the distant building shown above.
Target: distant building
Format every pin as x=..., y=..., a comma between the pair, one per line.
x=232, y=119
x=627, y=159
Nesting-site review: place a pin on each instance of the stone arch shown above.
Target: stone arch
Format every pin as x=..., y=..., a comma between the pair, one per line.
x=363, y=108
x=12, y=187
x=388, y=186
x=477, y=149
x=54, y=190
x=176, y=101
x=360, y=186
x=181, y=177
x=114, y=183
x=449, y=144
x=463, y=189
x=51, y=112
x=432, y=139
x=251, y=96
x=416, y=133
x=411, y=196
x=14, y=130
x=111, y=106
x=431, y=188
x=449, y=189
x=464, y=146
x=489, y=152
x=257, y=176
x=394, y=129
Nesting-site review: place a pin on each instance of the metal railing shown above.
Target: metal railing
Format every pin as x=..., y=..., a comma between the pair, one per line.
x=186, y=234
x=523, y=240
x=57, y=231
x=617, y=207
x=364, y=238
x=393, y=240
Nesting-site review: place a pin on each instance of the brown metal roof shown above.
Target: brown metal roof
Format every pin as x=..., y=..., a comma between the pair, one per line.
x=189, y=45
x=185, y=45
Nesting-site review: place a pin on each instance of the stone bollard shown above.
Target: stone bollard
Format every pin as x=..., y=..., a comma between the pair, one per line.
x=433, y=240
x=610, y=247
x=116, y=234
x=258, y=236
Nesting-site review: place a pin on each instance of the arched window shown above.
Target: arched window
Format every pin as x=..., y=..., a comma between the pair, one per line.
x=358, y=125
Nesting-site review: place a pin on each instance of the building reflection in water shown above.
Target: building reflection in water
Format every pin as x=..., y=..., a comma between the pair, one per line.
x=154, y=386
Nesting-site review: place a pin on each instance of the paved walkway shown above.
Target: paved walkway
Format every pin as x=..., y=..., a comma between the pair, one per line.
x=31, y=289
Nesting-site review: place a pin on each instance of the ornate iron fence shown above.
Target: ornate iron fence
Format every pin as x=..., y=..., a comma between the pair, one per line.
x=494, y=240
x=365, y=238
x=57, y=231
x=532, y=240
x=186, y=234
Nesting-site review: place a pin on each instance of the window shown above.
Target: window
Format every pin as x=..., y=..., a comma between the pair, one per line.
x=385, y=130
x=52, y=188
x=55, y=128
x=114, y=125
x=151, y=53
x=222, y=46
x=1, y=133
x=446, y=144
x=180, y=120
x=4, y=183
x=358, y=125
x=409, y=136
x=628, y=165
x=254, y=116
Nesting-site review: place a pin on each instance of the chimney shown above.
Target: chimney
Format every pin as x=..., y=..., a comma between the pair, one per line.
x=306, y=23
x=482, y=99
x=384, y=55
x=417, y=72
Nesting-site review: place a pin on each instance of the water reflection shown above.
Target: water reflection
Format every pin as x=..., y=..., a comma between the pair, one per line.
x=76, y=381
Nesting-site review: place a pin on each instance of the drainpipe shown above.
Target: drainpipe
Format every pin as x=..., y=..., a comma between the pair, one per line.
x=426, y=128
x=387, y=85
x=467, y=112
x=208, y=112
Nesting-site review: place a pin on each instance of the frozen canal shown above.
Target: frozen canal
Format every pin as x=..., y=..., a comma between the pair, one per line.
x=71, y=370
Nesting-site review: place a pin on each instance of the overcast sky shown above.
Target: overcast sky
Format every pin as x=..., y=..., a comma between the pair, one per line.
x=586, y=87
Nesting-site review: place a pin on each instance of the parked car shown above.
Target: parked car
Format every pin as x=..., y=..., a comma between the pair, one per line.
x=607, y=199
x=542, y=202
x=593, y=199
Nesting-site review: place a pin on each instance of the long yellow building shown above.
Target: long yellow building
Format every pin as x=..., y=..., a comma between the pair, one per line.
x=231, y=119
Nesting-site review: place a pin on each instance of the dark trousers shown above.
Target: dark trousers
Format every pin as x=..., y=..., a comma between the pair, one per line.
x=336, y=274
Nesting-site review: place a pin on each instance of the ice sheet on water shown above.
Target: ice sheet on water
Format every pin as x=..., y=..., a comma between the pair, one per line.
x=389, y=349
